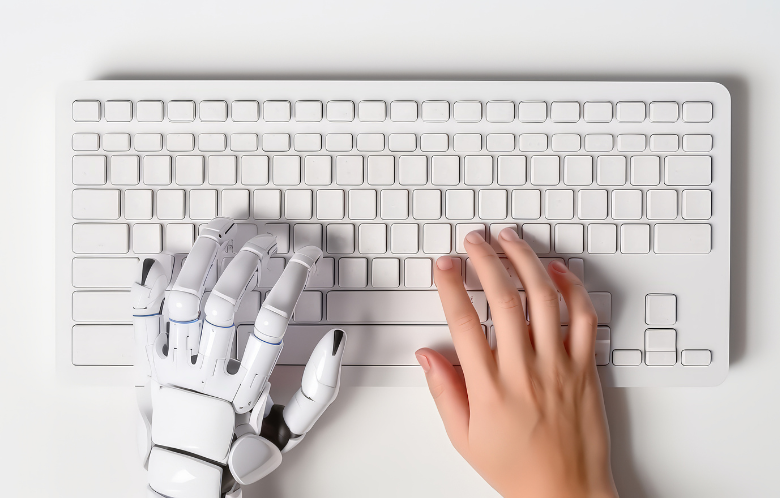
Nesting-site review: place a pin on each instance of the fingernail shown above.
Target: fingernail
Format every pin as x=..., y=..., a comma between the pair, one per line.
x=475, y=238
x=509, y=234
x=424, y=363
x=558, y=266
x=444, y=263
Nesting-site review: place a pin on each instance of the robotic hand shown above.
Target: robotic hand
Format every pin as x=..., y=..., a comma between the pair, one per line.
x=207, y=424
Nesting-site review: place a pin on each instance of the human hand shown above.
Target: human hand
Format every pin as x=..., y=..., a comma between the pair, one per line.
x=530, y=416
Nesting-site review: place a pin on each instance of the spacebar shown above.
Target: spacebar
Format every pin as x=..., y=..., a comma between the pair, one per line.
x=393, y=306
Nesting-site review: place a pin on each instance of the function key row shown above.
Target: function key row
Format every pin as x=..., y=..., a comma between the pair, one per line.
x=434, y=111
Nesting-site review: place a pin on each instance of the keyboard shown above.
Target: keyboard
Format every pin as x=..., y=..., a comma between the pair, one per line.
x=628, y=183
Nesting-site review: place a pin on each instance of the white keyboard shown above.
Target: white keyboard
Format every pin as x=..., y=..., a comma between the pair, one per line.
x=628, y=183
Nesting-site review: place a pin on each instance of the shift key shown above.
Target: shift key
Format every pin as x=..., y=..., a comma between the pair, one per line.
x=393, y=306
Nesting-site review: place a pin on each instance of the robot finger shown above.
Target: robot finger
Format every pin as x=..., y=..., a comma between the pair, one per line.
x=147, y=295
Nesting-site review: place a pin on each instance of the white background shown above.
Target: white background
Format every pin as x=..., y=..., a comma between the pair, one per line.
x=66, y=441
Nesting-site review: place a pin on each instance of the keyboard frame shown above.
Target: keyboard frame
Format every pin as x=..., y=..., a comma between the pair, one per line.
x=701, y=282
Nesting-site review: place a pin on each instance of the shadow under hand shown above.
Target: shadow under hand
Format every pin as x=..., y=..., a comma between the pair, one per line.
x=627, y=480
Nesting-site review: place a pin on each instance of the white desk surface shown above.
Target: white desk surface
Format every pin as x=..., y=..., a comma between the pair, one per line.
x=65, y=441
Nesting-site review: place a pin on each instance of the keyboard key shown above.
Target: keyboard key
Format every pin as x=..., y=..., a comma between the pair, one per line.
x=660, y=347
x=495, y=230
x=338, y=142
x=661, y=309
x=688, y=170
x=696, y=357
x=545, y=170
x=323, y=274
x=413, y=170
x=403, y=238
x=222, y=170
x=434, y=142
x=467, y=142
x=598, y=143
x=664, y=143
x=330, y=204
x=645, y=170
x=170, y=204
x=696, y=204
x=254, y=170
x=89, y=170
x=372, y=110
x=602, y=239
x=103, y=272
x=577, y=265
x=203, y=204
x=307, y=234
x=569, y=238
x=243, y=142
x=340, y=238
x=86, y=110
x=179, y=237
x=537, y=235
x=626, y=204
x=526, y=204
x=445, y=170
x=437, y=238
x=298, y=204
x=578, y=170
x=213, y=110
x=381, y=170
x=282, y=233
x=371, y=142
x=559, y=204
x=85, y=141
x=102, y=306
x=565, y=112
x=394, y=204
x=402, y=142
x=138, y=204
x=235, y=204
x=500, y=111
x=597, y=112
x=533, y=142
x=682, y=238
x=611, y=170
x=460, y=204
x=592, y=204
x=349, y=170
x=180, y=142
x=317, y=170
x=436, y=111
x=147, y=238
x=157, y=170
x=631, y=143
x=403, y=110
x=492, y=204
x=664, y=112
x=393, y=306
x=101, y=238
x=697, y=112
x=631, y=112
x=93, y=204
x=417, y=273
x=602, y=345
x=308, y=308
x=661, y=204
x=212, y=142
x=385, y=272
x=478, y=170
x=247, y=111
x=124, y=170
x=635, y=239
x=467, y=111
x=270, y=276
x=148, y=142
x=602, y=303
x=341, y=110
x=362, y=204
x=189, y=170
x=697, y=143
x=353, y=272
x=501, y=142
x=463, y=229
x=532, y=112
x=181, y=111
x=565, y=142
x=151, y=111
x=372, y=238
x=276, y=142
x=287, y=170
x=308, y=111
x=511, y=170
x=626, y=357
x=426, y=204
x=116, y=142
x=276, y=110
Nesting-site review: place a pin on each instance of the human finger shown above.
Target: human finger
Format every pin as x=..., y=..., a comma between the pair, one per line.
x=582, y=315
